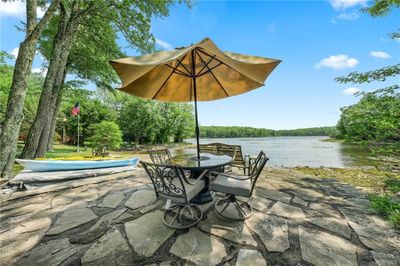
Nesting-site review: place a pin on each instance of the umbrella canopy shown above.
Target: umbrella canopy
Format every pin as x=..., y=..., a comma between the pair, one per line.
x=200, y=72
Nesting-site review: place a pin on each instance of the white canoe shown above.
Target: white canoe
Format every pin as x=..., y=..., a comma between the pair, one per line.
x=60, y=165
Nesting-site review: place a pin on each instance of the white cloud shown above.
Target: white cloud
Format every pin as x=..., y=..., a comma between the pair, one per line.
x=40, y=70
x=351, y=91
x=40, y=12
x=348, y=16
x=17, y=9
x=12, y=9
x=344, y=4
x=338, y=62
x=14, y=52
x=380, y=55
x=163, y=44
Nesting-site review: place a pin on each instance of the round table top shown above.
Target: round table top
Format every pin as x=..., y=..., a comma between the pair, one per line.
x=207, y=161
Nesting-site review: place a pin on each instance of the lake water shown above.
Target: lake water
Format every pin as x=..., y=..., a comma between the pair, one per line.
x=300, y=151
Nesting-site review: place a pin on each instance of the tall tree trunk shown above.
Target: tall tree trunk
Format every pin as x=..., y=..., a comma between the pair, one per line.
x=37, y=140
x=16, y=98
x=55, y=114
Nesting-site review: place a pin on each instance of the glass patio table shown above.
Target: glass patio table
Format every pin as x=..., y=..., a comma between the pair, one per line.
x=207, y=161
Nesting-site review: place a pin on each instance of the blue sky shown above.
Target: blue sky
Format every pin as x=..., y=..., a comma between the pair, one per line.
x=316, y=40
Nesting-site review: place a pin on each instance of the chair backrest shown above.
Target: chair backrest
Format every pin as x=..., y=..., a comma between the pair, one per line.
x=229, y=150
x=208, y=148
x=235, y=151
x=168, y=180
x=257, y=168
x=159, y=156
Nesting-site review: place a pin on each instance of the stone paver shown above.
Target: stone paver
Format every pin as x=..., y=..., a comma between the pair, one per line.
x=272, y=230
x=382, y=240
x=260, y=203
x=385, y=259
x=285, y=210
x=72, y=218
x=112, y=200
x=300, y=201
x=338, y=226
x=50, y=253
x=98, y=229
x=105, y=233
x=147, y=233
x=141, y=198
x=19, y=245
x=234, y=231
x=198, y=248
x=249, y=257
x=159, y=203
x=274, y=195
x=325, y=209
x=110, y=249
x=323, y=249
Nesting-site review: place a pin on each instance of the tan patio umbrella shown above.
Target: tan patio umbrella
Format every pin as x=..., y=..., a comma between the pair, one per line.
x=200, y=72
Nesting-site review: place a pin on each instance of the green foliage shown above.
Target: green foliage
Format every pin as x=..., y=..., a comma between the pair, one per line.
x=241, y=132
x=4, y=56
x=106, y=135
x=93, y=111
x=376, y=117
x=34, y=85
x=392, y=184
x=367, y=77
x=382, y=7
x=145, y=121
x=387, y=206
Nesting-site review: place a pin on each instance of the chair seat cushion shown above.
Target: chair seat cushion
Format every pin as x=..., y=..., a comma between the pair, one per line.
x=232, y=186
x=191, y=190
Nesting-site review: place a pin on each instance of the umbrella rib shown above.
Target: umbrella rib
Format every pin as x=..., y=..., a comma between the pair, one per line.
x=172, y=72
x=206, y=72
x=219, y=83
x=204, y=52
x=209, y=61
x=180, y=63
x=158, y=91
x=177, y=71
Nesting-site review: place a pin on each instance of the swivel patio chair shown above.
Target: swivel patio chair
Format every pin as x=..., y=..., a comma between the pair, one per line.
x=234, y=185
x=171, y=183
x=159, y=156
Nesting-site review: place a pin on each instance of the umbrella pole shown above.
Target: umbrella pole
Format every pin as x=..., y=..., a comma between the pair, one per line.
x=197, y=120
x=195, y=102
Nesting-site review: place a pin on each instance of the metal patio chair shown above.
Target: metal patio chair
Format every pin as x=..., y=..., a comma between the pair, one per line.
x=171, y=183
x=159, y=156
x=234, y=185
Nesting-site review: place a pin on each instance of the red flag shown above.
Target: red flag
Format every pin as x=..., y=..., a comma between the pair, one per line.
x=75, y=110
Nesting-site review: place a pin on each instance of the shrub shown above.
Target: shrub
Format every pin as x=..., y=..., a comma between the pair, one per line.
x=393, y=185
x=106, y=135
x=388, y=207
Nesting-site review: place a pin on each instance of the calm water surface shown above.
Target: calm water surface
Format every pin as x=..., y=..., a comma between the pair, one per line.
x=300, y=151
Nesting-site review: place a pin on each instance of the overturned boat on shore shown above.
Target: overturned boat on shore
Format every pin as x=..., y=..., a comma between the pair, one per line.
x=64, y=165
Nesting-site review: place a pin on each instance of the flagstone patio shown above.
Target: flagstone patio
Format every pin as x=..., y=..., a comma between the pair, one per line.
x=116, y=220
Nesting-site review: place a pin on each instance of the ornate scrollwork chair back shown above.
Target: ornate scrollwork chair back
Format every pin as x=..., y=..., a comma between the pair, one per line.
x=171, y=183
x=167, y=180
x=159, y=156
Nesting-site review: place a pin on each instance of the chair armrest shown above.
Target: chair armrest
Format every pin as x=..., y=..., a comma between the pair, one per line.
x=234, y=177
x=197, y=179
x=240, y=166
